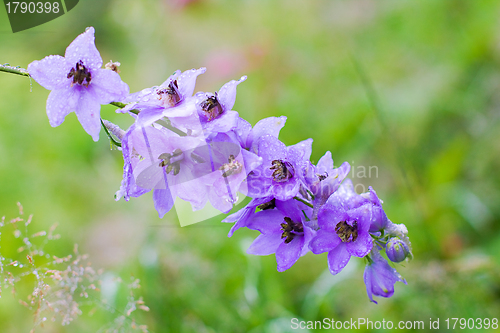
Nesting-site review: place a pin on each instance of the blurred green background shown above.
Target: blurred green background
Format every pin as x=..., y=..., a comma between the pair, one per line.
x=430, y=124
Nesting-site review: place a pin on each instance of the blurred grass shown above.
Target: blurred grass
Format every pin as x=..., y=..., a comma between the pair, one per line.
x=434, y=66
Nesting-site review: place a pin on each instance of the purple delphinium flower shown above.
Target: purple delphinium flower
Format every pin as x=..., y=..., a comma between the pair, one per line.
x=379, y=219
x=323, y=179
x=230, y=166
x=283, y=232
x=78, y=83
x=281, y=172
x=343, y=232
x=380, y=277
x=214, y=112
x=171, y=99
x=165, y=164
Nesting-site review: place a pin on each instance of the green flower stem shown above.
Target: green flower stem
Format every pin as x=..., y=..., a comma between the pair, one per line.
x=14, y=70
x=303, y=201
x=122, y=105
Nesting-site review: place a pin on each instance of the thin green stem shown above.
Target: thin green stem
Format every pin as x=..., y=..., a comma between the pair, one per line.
x=166, y=124
x=122, y=105
x=304, y=202
x=14, y=70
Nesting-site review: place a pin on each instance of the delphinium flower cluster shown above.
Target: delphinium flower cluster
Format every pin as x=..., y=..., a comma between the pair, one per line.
x=195, y=147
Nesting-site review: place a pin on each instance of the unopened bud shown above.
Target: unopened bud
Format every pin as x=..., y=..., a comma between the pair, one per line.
x=397, y=250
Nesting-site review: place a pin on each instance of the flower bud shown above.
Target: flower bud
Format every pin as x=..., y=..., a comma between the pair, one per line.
x=397, y=250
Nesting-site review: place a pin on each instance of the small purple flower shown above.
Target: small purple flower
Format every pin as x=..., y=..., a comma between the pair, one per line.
x=230, y=166
x=343, y=232
x=283, y=232
x=281, y=172
x=170, y=99
x=214, y=111
x=78, y=83
x=379, y=277
x=349, y=196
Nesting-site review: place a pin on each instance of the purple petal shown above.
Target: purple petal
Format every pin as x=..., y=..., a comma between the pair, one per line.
x=286, y=190
x=163, y=201
x=148, y=176
x=266, y=221
x=172, y=77
x=268, y=126
x=288, y=254
x=191, y=190
x=227, y=94
x=367, y=277
x=83, y=48
x=325, y=163
x=289, y=208
x=363, y=216
x=108, y=86
x=329, y=217
x=270, y=149
x=361, y=246
x=338, y=258
x=187, y=80
x=324, y=241
x=264, y=245
x=226, y=122
x=221, y=203
x=60, y=103
x=50, y=72
x=309, y=234
x=300, y=151
x=242, y=131
x=88, y=111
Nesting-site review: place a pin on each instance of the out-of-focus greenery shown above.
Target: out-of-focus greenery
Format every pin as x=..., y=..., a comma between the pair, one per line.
x=427, y=116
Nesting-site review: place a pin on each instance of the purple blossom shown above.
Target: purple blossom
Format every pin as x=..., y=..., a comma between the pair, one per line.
x=230, y=167
x=343, y=232
x=78, y=83
x=171, y=99
x=349, y=196
x=283, y=232
x=213, y=111
x=379, y=277
x=281, y=172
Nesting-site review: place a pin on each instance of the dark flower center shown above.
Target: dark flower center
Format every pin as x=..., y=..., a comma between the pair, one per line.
x=347, y=233
x=268, y=205
x=170, y=95
x=322, y=177
x=290, y=229
x=232, y=167
x=211, y=107
x=80, y=74
x=172, y=161
x=282, y=171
